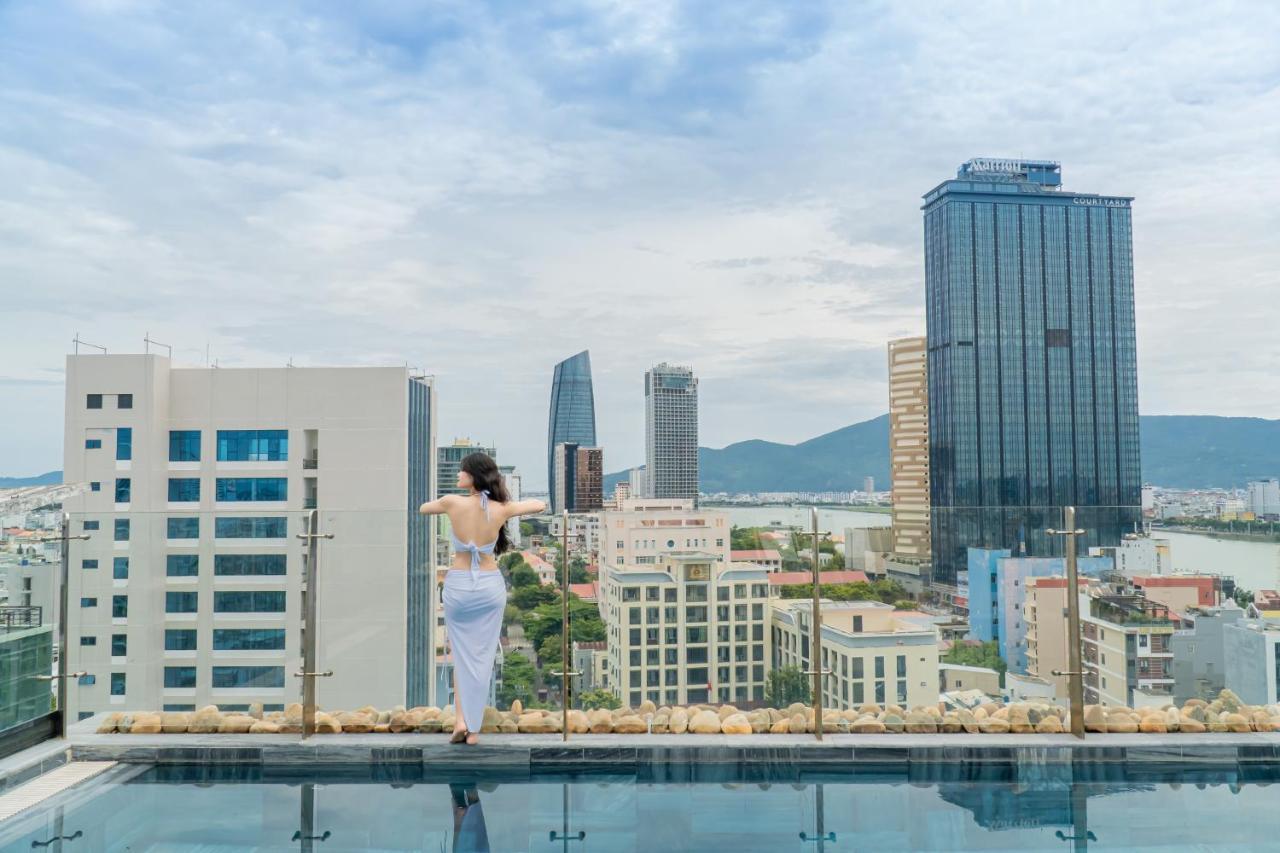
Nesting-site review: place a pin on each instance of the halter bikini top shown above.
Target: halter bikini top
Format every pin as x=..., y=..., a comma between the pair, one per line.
x=476, y=550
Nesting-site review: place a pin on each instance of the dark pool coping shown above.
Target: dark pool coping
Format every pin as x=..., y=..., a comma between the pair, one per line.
x=629, y=752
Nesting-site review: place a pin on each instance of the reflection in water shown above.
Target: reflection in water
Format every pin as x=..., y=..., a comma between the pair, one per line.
x=469, y=834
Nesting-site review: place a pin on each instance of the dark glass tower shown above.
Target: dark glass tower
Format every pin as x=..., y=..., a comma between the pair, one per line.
x=573, y=411
x=1033, y=393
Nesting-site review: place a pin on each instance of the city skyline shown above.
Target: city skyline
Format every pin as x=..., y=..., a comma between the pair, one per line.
x=222, y=202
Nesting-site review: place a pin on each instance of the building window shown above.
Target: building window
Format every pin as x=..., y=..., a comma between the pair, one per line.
x=184, y=445
x=120, y=568
x=902, y=666
x=180, y=602
x=232, y=489
x=88, y=641
x=179, y=706
x=88, y=602
x=124, y=490
x=248, y=676
x=179, y=640
x=122, y=530
x=119, y=606
x=124, y=444
x=89, y=525
x=95, y=486
x=117, y=684
x=187, y=527
x=93, y=444
x=857, y=672
x=253, y=445
x=93, y=401
x=181, y=565
x=124, y=401
x=249, y=564
x=248, y=639
x=249, y=528
x=631, y=593
x=180, y=676
x=88, y=564
x=88, y=680
x=184, y=489
x=256, y=601
x=119, y=645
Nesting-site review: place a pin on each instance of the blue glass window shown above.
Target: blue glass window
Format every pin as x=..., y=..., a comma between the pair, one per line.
x=180, y=602
x=90, y=525
x=119, y=606
x=181, y=706
x=88, y=641
x=249, y=528
x=124, y=490
x=248, y=676
x=249, y=564
x=124, y=401
x=95, y=486
x=181, y=565
x=93, y=401
x=183, y=528
x=117, y=684
x=255, y=601
x=122, y=530
x=248, y=639
x=88, y=564
x=180, y=639
x=93, y=444
x=124, y=443
x=184, y=489
x=179, y=676
x=120, y=568
x=119, y=645
x=88, y=602
x=184, y=445
x=88, y=680
x=253, y=445
x=252, y=489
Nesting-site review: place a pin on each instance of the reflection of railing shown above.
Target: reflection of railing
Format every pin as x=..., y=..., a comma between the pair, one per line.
x=309, y=502
x=17, y=617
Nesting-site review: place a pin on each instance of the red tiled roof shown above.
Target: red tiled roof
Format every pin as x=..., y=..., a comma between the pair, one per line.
x=792, y=578
x=759, y=554
x=1203, y=584
x=586, y=591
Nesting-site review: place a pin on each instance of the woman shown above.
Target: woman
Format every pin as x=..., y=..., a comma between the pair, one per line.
x=474, y=592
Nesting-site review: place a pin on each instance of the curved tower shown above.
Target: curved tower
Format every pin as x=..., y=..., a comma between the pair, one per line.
x=572, y=419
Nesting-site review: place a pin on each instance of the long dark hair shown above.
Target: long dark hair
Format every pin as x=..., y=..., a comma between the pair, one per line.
x=485, y=477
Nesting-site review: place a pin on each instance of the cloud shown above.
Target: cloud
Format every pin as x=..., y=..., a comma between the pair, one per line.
x=480, y=189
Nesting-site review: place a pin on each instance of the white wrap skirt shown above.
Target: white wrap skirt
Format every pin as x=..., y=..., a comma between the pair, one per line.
x=473, y=604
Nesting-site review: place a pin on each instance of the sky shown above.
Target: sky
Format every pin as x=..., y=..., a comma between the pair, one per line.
x=480, y=190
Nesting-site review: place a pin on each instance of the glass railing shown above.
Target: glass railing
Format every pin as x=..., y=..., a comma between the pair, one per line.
x=28, y=637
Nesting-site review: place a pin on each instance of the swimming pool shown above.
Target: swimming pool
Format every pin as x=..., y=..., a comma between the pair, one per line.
x=141, y=808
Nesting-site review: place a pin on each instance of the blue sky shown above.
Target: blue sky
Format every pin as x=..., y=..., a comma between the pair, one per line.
x=483, y=189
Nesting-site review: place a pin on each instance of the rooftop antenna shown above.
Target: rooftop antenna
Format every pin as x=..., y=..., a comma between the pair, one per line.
x=290, y=364
x=147, y=342
x=77, y=342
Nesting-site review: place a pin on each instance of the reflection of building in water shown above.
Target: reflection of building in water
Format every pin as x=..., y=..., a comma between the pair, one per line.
x=1041, y=796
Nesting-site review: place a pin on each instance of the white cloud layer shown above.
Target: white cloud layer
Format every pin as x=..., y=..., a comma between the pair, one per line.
x=481, y=190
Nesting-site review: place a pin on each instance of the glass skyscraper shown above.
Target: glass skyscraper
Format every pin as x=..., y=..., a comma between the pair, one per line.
x=573, y=412
x=1033, y=397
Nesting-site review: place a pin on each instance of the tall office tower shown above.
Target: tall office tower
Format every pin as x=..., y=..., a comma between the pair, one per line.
x=1264, y=497
x=578, y=478
x=450, y=462
x=572, y=419
x=189, y=590
x=1033, y=400
x=909, y=446
x=564, y=464
x=671, y=432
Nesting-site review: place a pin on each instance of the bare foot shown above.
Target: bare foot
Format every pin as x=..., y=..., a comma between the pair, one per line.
x=472, y=739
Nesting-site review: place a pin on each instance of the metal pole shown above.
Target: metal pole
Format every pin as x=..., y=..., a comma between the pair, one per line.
x=817, y=670
x=308, y=674
x=1075, y=683
x=63, y=597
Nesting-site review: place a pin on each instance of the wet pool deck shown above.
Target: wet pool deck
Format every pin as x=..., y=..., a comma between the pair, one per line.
x=628, y=753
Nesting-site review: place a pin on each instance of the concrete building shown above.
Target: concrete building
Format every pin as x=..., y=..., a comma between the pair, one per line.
x=515, y=488
x=1046, y=646
x=190, y=590
x=584, y=533
x=770, y=559
x=645, y=529
x=1250, y=647
x=579, y=477
x=1127, y=652
x=638, y=483
x=671, y=432
x=1264, y=498
x=874, y=654
x=592, y=660
x=31, y=582
x=1139, y=555
x=26, y=651
x=1181, y=593
x=954, y=676
x=909, y=446
x=687, y=628
x=864, y=546
x=621, y=492
x=449, y=462
x=1199, y=652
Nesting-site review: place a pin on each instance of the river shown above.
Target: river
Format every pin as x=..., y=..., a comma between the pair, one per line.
x=830, y=519
x=1254, y=565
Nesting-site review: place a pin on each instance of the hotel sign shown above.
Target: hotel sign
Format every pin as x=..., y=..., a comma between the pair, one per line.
x=1101, y=202
x=987, y=164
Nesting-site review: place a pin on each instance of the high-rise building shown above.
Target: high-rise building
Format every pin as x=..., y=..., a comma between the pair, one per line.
x=189, y=590
x=572, y=419
x=1264, y=497
x=869, y=485
x=577, y=476
x=1033, y=401
x=671, y=431
x=515, y=484
x=638, y=481
x=449, y=462
x=909, y=446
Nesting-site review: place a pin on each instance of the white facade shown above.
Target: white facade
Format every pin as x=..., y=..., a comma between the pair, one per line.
x=1251, y=647
x=671, y=432
x=1139, y=556
x=645, y=529
x=1264, y=497
x=197, y=597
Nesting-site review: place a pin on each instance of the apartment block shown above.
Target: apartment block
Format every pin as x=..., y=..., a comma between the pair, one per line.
x=578, y=473
x=687, y=628
x=190, y=589
x=647, y=528
x=909, y=446
x=1046, y=645
x=874, y=654
x=1199, y=652
x=671, y=432
x=1252, y=651
x=1127, y=649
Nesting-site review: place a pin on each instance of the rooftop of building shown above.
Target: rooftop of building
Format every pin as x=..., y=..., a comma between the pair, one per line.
x=794, y=578
x=756, y=554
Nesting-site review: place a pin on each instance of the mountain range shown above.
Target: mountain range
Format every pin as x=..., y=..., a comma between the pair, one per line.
x=1178, y=451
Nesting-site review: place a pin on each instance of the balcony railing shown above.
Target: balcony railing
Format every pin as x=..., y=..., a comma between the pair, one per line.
x=17, y=617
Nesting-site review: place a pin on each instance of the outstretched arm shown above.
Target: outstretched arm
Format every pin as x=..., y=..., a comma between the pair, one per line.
x=439, y=506
x=529, y=507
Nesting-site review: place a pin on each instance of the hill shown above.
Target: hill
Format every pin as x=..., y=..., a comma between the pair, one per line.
x=51, y=478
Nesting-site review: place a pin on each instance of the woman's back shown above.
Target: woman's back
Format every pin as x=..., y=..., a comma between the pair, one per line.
x=476, y=519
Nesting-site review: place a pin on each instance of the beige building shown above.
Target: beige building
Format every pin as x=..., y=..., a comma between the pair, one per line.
x=957, y=677
x=647, y=528
x=687, y=628
x=874, y=655
x=1042, y=613
x=1127, y=651
x=909, y=446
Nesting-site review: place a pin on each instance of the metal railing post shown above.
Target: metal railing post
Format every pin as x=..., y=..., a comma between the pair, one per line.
x=309, y=674
x=1075, y=672
x=64, y=578
x=817, y=670
x=565, y=673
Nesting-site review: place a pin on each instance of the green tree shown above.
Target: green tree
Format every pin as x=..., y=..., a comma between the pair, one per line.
x=510, y=614
x=549, y=650
x=578, y=571
x=786, y=685
x=986, y=654
x=745, y=539
x=530, y=597
x=598, y=699
x=905, y=604
x=544, y=621
x=888, y=591
x=509, y=559
x=523, y=575
x=1243, y=597
x=526, y=530
x=517, y=680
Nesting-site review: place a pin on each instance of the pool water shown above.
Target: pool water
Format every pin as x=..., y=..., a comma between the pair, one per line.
x=388, y=808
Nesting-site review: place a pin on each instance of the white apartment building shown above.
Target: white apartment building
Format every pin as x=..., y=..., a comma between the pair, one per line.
x=671, y=432
x=688, y=628
x=647, y=528
x=1264, y=497
x=1127, y=651
x=190, y=589
x=1252, y=647
x=874, y=654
